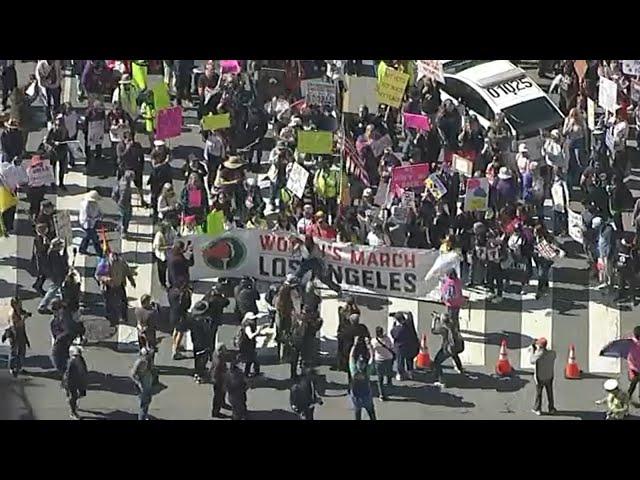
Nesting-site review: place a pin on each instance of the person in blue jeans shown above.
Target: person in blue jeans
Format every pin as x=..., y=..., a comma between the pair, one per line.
x=360, y=366
x=142, y=375
x=88, y=217
x=383, y=356
x=17, y=336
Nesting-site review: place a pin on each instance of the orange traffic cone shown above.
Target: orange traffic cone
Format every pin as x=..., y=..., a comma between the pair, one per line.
x=572, y=370
x=423, y=360
x=503, y=367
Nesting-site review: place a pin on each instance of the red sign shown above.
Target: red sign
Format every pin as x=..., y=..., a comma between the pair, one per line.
x=412, y=176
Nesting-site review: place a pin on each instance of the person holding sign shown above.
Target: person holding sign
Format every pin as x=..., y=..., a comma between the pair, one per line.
x=94, y=130
x=88, y=217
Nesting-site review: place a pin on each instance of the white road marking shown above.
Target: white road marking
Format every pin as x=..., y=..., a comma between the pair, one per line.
x=604, y=326
x=473, y=319
x=536, y=319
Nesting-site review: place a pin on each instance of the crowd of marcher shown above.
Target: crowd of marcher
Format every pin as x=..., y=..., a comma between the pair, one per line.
x=345, y=199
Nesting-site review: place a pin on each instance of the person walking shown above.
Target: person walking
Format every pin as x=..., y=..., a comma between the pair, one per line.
x=544, y=361
x=114, y=284
x=49, y=76
x=17, y=336
x=303, y=395
x=633, y=361
x=55, y=145
x=75, y=380
x=360, y=366
x=406, y=344
x=39, y=257
x=344, y=313
x=236, y=387
x=246, y=343
x=218, y=372
x=162, y=242
x=121, y=194
x=178, y=262
x=383, y=357
x=179, y=297
x=452, y=345
x=142, y=375
x=147, y=318
x=88, y=217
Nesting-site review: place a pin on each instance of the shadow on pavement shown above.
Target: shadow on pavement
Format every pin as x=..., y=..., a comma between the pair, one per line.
x=515, y=340
x=111, y=415
x=427, y=395
x=277, y=414
x=38, y=361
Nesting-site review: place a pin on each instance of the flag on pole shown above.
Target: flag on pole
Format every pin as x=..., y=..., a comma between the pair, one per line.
x=353, y=162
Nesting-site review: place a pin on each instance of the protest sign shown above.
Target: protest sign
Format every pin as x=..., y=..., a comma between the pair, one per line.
x=379, y=145
x=269, y=256
x=400, y=213
x=408, y=199
x=591, y=114
x=270, y=84
x=319, y=93
x=435, y=186
x=139, y=74
x=62, y=222
x=391, y=87
x=230, y=66
x=95, y=133
x=116, y=132
x=580, y=66
x=634, y=90
x=477, y=196
x=430, y=69
x=161, y=98
x=272, y=173
x=40, y=173
x=7, y=199
x=608, y=95
x=462, y=165
x=315, y=142
x=297, y=180
x=215, y=223
x=411, y=176
x=419, y=122
x=216, y=122
x=576, y=225
x=359, y=91
x=631, y=67
x=169, y=123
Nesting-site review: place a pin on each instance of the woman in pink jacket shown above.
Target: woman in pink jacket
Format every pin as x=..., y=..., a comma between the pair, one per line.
x=451, y=294
x=633, y=361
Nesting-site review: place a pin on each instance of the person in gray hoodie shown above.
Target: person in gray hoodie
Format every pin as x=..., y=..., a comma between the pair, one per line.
x=544, y=361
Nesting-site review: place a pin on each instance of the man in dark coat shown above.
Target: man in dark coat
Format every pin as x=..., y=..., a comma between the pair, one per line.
x=75, y=379
x=236, y=386
x=200, y=325
x=178, y=263
x=12, y=140
x=218, y=373
x=246, y=297
x=160, y=174
x=405, y=340
x=351, y=331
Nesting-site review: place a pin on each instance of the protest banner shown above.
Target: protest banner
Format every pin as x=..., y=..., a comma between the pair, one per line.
x=169, y=123
x=230, y=66
x=608, y=95
x=576, y=226
x=462, y=165
x=634, y=90
x=580, y=66
x=216, y=122
x=379, y=145
x=391, y=87
x=315, y=142
x=40, y=173
x=631, y=67
x=419, y=122
x=477, y=196
x=95, y=133
x=62, y=222
x=297, y=180
x=359, y=91
x=430, y=69
x=319, y=93
x=591, y=114
x=435, y=186
x=161, y=98
x=411, y=176
x=269, y=256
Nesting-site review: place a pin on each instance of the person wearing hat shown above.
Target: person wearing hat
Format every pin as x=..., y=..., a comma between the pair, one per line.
x=88, y=216
x=544, y=360
x=127, y=94
x=142, y=375
x=246, y=343
x=230, y=178
x=506, y=188
x=75, y=379
x=201, y=327
x=617, y=400
x=11, y=140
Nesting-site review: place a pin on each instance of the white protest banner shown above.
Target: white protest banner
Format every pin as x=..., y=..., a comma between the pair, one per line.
x=359, y=91
x=116, y=132
x=608, y=95
x=631, y=67
x=270, y=256
x=430, y=69
x=95, y=133
x=477, y=196
x=320, y=93
x=576, y=225
x=462, y=165
x=40, y=173
x=62, y=222
x=297, y=180
x=591, y=114
x=379, y=145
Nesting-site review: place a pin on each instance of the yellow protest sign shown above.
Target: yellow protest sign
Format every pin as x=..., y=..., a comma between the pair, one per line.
x=315, y=142
x=216, y=122
x=382, y=68
x=139, y=73
x=215, y=223
x=392, y=86
x=161, y=96
x=7, y=199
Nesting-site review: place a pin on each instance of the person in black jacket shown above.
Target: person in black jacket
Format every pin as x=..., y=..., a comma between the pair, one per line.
x=131, y=158
x=452, y=345
x=351, y=331
x=201, y=327
x=406, y=343
x=160, y=174
x=304, y=395
x=11, y=140
x=178, y=263
x=57, y=149
x=75, y=379
x=303, y=337
x=236, y=387
x=179, y=303
x=217, y=373
x=246, y=297
x=217, y=303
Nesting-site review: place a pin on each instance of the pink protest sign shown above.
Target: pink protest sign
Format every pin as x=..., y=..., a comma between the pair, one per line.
x=169, y=123
x=419, y=122
x=230, y=66
x=412, y=176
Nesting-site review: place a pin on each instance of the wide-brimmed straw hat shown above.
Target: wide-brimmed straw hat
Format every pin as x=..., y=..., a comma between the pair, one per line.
x=234, y=162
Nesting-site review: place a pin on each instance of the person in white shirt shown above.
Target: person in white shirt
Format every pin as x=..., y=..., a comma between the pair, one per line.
x=49, y=76
x=214, y=152
x=168, y=205
x=560, y=197
x=522, y=158
x=162, y=243
x=383, y=356
x=88, y=216
x=620, y=131
x=306, y=220
x=375, y=238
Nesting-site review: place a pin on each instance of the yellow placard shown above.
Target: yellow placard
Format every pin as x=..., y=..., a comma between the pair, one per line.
x=7, y=199
x=315, y=142
x=161, y=96
x=139, y=74
x=392, y=86
x=216, y=122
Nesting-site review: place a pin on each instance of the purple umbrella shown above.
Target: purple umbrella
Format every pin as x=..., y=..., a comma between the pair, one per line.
x=617, y=349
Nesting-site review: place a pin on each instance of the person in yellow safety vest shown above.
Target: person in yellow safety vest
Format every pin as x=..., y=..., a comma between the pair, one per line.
x=617, y=400
x=326, y=184
x=139, y=70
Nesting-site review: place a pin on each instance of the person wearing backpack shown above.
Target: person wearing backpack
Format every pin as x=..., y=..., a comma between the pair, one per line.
x=361, y=360
x=383, y=357
x=303, y=395
x=452, y=345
